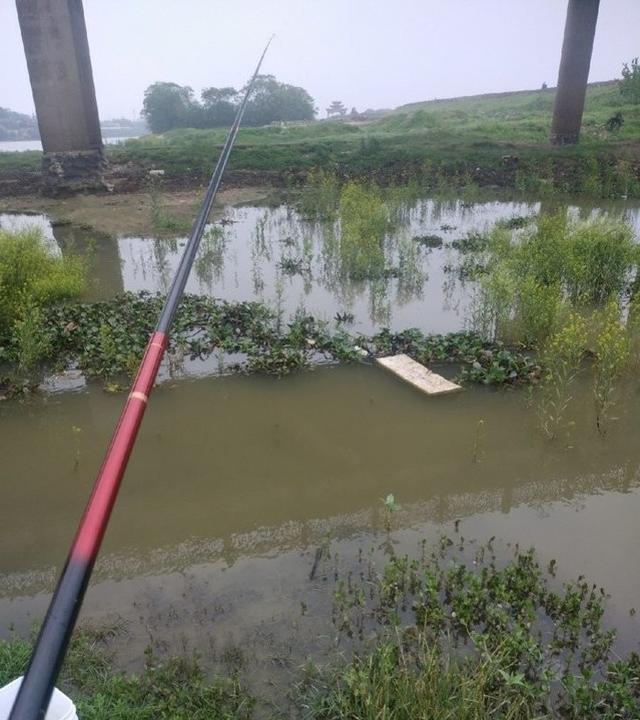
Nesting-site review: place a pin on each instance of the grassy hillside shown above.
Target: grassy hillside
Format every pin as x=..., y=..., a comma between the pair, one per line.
x=490, y=138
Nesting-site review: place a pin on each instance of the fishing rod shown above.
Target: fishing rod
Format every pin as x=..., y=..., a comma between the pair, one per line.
x=37, y=686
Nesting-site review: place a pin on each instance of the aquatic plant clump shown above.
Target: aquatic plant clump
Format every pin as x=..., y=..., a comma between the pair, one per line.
x=531, y=278
x=364, y=223
x=107, y=339
x=458, y=633
x=32, y=276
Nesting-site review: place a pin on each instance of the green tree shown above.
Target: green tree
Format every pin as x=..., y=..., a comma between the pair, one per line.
x=168, y=105
x=630, y=83
x=219, y=106
x=272, y=100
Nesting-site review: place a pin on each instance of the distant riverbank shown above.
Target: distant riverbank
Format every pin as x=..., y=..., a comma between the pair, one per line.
x=26, y=145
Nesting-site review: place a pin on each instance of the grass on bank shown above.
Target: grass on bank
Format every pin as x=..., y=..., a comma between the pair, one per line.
x=505, y=136
x=489, y=139
x=172, y=689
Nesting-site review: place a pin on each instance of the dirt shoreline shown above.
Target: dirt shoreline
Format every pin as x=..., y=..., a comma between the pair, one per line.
x=130, y=212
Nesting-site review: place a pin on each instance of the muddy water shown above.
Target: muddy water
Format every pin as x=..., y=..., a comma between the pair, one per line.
x=244, y=259
x=235, y=483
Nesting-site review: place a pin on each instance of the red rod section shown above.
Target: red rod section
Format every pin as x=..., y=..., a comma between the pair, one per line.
x=94, y=523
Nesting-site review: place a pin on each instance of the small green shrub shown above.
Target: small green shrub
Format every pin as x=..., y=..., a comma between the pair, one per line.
x=32, y=341
x=537, y=310
x=320, y=195
x=32, y=277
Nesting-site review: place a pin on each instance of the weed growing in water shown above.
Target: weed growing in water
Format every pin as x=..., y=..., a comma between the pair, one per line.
x=516, y=222
x=600, y=259
x=320, y=196
x=428, y=241
x=364, y=223
x=32, y=343
x=562, y=357
x=209, y=264
x=161, y=219
x=294, y=266
x=533, y=277
x=611, y=355
x=389, y=507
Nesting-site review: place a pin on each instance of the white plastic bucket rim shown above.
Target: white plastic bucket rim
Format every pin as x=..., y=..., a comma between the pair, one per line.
x=61, y=707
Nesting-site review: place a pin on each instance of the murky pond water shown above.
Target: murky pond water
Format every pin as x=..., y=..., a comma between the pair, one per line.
x=236, y=481
x=246, y=259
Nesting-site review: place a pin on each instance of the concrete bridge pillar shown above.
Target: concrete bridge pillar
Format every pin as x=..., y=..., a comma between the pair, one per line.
x=579, y=31
x=55, y=44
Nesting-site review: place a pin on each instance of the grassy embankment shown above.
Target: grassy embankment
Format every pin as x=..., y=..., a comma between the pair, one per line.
x=487, y=140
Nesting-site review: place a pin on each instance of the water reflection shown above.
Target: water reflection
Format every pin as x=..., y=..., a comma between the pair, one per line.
x=276, y=256
x=101, y=250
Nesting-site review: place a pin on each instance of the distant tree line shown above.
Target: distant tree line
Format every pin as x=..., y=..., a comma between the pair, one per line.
x=168, y=105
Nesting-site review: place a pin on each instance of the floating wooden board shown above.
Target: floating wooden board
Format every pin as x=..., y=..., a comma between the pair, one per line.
x=417, y=375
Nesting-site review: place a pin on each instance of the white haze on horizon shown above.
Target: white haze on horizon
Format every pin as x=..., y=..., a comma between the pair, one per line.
x=367, y=53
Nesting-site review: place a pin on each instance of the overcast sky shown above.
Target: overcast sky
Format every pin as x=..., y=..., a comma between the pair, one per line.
x=367, y=53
